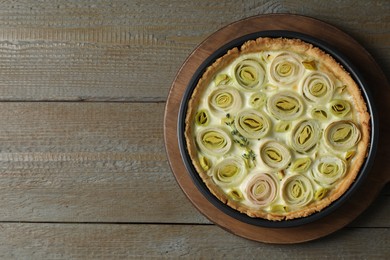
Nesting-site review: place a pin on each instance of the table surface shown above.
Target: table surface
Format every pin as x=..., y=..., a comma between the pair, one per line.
x=83, y=167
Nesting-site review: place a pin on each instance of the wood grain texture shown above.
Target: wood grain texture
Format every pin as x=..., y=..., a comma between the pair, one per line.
x=90, y=180
x=87, y=162
x=90, y=241
x=98, y=163
x=121, y=50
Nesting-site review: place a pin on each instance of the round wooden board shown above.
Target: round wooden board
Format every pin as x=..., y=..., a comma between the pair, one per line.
x=337, y=39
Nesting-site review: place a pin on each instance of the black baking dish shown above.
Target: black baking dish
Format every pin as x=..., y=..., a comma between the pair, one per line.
x=364, y=171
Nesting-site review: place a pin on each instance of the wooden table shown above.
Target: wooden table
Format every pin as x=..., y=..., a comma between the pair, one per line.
x=83, y=167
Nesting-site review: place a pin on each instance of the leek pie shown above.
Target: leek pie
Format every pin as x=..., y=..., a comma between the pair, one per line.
x=277, y=129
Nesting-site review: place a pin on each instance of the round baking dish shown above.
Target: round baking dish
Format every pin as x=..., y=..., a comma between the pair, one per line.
x=258, y=221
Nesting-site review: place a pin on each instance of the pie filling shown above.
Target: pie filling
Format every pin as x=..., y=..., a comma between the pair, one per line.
x=277, y=129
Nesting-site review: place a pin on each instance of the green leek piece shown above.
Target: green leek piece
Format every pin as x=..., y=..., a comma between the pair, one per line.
x=281, y=175
x=279, y=208
x=268, y=87
x=301, y=165
x=222, y=79
x=349, y=155
x=320, y=193
x=341, y=88
x=202, y=118
x=257, y=100
x=282, y=126
x=205, y=163
x=236, y=194
x=339, y=107
x=319, y=113
x=309, y=64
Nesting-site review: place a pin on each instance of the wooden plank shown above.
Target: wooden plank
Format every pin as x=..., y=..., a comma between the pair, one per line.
x=66, y=50
x=78, y=71
x=376, y=215
x=87, y=162
x=95, y=162
x=90, y=241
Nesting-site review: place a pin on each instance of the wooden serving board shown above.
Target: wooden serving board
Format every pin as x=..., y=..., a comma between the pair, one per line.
x=367, y=192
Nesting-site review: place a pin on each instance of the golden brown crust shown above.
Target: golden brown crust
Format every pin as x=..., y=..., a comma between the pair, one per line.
x=326, y=64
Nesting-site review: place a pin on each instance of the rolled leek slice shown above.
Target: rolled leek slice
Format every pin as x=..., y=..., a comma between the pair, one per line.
x=286, y=69
x=225, y=99
x=297, y=191
x=318, y=87
x=275, y=155
x=305, y=136
x=327, y=170
x=261, y=189
x=340, y=107
x=249, y=74
x=252, y=124
x=285, y=105
x=213, y=141
x=229, y=172
x=342, y=135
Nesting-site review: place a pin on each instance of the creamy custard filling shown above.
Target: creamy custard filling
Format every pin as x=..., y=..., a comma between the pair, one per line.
x=274, y=132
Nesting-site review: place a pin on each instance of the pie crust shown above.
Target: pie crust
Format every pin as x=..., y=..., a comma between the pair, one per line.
x=277, y=129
